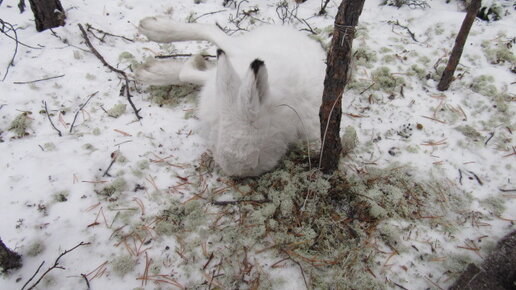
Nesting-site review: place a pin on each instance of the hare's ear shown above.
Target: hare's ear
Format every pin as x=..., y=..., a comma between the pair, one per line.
x=228, y=81
x=255, y=87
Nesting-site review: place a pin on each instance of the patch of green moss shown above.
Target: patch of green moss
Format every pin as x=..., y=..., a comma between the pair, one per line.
x=385, y=80
x=349, y=140
x=484, y=85
x=493, y=204
x=470, y=132
x=20, y=124
x=365, y=57
x=35, y=248
x=115, y=188
x=117, y=110
x=61, y=196
x=49, y=146
x=499, y=54
x=173, y=95
x=123, y=265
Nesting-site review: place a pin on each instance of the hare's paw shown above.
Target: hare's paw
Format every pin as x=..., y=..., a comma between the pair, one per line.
x=159, y=72
x=157, y=28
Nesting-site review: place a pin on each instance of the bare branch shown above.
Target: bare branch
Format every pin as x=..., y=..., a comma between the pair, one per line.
x=55, y=266
x=80, y=109
x=40, y=80
x=120, y=72
x=50, y=119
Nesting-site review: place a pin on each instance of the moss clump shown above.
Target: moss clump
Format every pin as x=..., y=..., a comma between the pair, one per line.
x=173, y=95
x=117, y=110
x=96, y=132
x=470, y=132
x=493, y=204
x=35, y=248
x=349, y=140
x=61, y=196
x=115, y=188
x=20, y=124
x=384, y=80
x=123, y=265
x=484, y=85
x=365, y=57
x=49, y=146
x=500, y=53
x=418, y=71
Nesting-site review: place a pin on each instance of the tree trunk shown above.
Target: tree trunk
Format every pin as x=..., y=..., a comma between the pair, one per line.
x=448, y=72
x=47, y=14
x=338, y=63
x=8, y=259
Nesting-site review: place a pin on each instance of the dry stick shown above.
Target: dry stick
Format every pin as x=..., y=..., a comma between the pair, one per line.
x=205, y=14
x=397, y=23
x=51, y=123
x=323, y=8
x=40, y=80
x=183, y=55
x=56, y=265
x=106, y=173
x=228, y=202
x=34, y=275
x=11, y=63
x=120, y=72
x=80, y=109
x=89, y=28
x=447, y=75
x=87, y=282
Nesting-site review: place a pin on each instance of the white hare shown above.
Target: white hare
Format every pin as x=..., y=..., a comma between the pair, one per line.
x=263, y=94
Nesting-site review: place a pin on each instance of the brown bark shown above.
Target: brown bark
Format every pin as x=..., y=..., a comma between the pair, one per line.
x=8, y=259
x=448, y=72
x=47, y=14
x=338, y=66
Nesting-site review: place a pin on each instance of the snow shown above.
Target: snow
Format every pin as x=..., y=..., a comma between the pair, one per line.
x=32, y=172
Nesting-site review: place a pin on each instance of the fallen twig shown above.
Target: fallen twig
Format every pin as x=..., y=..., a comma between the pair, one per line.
x=80, y=109
x=50, y=119
x=228, y=202
x=120, y=72
x=40, y=80
x=90, y=28
x=55, y=266
x=87, y=282
x=489, y=139
x=114, y=156
x=183, y=55
x=397, y=23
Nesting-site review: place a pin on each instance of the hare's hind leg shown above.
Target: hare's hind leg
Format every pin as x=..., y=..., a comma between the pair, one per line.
x=174, y=72
x=164, y=29
x=159, y=72
x=195, y=71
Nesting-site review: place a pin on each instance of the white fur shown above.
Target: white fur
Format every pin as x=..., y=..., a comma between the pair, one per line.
x=249, y=119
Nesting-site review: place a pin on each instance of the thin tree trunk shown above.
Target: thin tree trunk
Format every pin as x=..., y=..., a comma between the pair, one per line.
x=47, y=14
x=448, y=72
x=8, y=259
x=338, y=66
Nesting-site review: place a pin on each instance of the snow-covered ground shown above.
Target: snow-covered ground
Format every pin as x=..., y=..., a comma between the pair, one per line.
x=56, y=192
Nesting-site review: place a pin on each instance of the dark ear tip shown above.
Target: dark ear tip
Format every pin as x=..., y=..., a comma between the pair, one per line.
x=256, y=64
x=219, y=52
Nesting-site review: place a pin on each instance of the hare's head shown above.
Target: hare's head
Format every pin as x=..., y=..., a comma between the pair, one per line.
x=247, y=142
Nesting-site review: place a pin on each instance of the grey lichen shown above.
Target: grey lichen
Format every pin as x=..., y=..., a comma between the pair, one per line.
x=117, y=110
x=349, y=140
x=123, y=265
x=35, y=248
x=115, y=188
x=20, y=124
